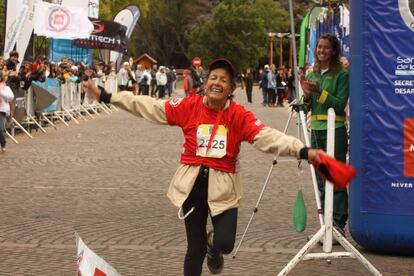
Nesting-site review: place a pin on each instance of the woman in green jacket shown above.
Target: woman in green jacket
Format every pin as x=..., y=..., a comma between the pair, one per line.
x=328, y=87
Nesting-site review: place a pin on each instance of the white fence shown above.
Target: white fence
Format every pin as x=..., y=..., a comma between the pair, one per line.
x=70, y=108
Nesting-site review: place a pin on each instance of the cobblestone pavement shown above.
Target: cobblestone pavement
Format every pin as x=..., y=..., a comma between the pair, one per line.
x=106, y=179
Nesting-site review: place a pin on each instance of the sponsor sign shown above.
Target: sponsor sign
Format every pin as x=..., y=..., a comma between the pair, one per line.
x=61, y=22
x=387, y=107
x=106, y=35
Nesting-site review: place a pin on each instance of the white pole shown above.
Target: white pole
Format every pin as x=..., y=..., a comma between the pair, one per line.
x=330, y=150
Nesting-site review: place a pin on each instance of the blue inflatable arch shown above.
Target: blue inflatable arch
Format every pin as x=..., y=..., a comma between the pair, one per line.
x=382, y=125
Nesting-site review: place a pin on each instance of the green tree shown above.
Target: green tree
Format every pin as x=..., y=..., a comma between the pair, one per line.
x=238, y=29
x=161, y=33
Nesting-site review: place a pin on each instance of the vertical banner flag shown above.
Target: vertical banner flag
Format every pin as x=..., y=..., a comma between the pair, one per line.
x=27, y=28
x=129, y=18
x=388, y=108
x=16, y=14
x=90, y=264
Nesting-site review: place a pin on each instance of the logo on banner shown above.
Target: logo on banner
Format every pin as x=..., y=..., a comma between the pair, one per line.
x=98, y=27
x=59, y=19
x=409, y=147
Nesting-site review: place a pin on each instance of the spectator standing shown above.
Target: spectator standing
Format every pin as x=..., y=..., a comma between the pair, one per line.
x=168, y=87
x=271, y=86
x=161, y=79
x=123, y=77
x=263, y=83
x=248, y=81
x=12, y=74
x=153, y=80
x=6, y=96
x=187, y=82
x=291, y=86
x=145, y=82
x=174, y=75
x=281, y=86
x=328, y=87
x=138, y=77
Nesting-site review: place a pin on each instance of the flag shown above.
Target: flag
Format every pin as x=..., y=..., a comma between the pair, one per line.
x=90, y=264
x=129, y=18
x=336, y=172
x=61, y=22
x=106, y=35
x=27, y=29
x=16, y=14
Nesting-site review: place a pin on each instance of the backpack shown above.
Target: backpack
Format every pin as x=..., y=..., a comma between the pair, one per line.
x=264, y=80
x=144, y=80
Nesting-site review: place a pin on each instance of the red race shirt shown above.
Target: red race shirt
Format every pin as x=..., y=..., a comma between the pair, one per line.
x=197, y=120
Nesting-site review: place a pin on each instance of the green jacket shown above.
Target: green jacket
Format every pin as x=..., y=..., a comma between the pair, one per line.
x=334, y=93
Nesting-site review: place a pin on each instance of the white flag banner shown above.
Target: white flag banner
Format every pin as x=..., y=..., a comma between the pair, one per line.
x=90, y=264
x=127, y=17
x=16, y=14
x=61, y=22
x=27, y=29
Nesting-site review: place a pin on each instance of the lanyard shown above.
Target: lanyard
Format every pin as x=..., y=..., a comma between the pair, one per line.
x=215, y=127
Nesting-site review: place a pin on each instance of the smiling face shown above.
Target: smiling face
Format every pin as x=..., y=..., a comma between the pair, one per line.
x=324, y=51
x=218, y=87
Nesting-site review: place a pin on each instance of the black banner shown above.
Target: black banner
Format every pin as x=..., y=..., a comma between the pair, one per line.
x=106, y=35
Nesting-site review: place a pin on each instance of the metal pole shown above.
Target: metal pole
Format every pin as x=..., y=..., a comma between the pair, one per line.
x=270, y=50
x=295, y=62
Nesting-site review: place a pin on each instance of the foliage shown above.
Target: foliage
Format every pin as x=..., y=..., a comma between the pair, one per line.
x=161, y=33
x=238, y=30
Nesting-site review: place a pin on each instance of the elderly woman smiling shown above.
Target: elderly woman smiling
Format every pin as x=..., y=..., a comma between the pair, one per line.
x=206, y=182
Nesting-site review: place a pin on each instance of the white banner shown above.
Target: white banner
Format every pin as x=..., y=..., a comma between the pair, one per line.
x=90, y=264
x=61, y=22
x=27, y=29
x=127, y=17
x=16, y=14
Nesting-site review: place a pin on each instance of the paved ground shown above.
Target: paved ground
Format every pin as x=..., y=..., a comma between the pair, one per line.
x=107, y=178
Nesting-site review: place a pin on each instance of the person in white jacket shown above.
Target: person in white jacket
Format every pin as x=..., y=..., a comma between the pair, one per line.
x=6, y=96
x=161, y=78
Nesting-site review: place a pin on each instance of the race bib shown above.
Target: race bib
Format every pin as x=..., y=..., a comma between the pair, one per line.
x=219, y=144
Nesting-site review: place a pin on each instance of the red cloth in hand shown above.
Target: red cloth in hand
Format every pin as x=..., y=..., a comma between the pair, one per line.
x=336, y=172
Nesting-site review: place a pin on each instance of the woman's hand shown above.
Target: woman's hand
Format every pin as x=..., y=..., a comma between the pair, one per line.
x=310, y=87
x=313, y=155
x=91, y=89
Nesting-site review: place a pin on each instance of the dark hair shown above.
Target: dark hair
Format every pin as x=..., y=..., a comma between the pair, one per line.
x=14, y=54
x=335, y=64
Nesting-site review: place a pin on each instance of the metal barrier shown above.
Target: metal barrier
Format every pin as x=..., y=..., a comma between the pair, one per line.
x=72, y=105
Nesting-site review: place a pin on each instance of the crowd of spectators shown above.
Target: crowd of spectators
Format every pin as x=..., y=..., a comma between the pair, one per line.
x=21, y=77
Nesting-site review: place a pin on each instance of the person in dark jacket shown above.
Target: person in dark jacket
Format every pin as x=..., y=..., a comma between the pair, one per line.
x=248, y=80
